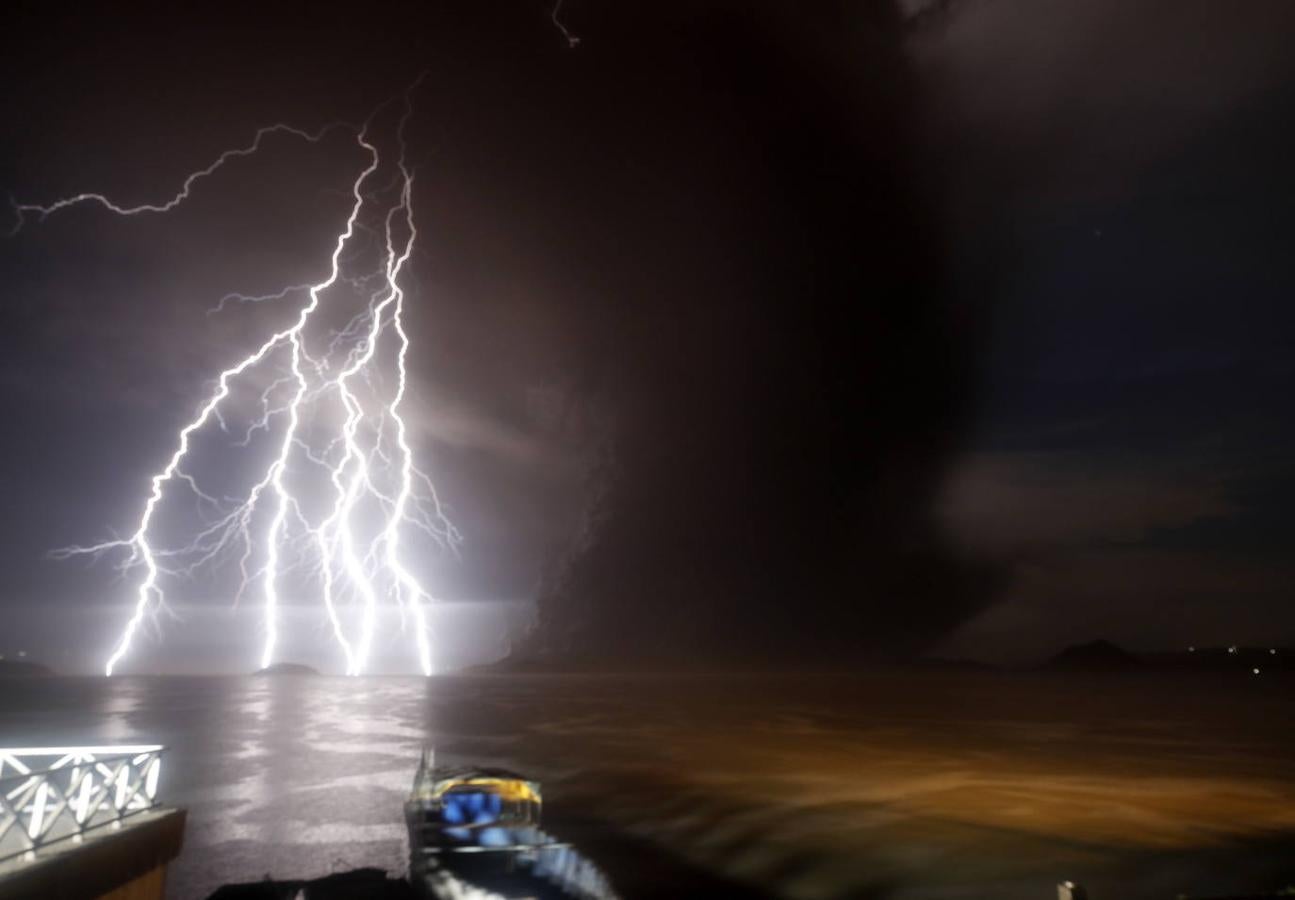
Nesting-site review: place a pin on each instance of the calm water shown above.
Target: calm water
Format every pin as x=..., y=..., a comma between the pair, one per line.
x=893, y=785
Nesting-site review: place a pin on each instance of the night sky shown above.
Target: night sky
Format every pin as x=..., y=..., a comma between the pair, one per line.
x=808, y=334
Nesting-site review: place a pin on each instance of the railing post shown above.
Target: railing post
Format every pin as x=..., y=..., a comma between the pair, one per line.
x=48, y=794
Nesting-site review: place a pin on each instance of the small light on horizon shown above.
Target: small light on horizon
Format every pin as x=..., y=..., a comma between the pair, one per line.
x=1232, y=649
x=1191, y=649
x=1273, y=651
x=1255, y=670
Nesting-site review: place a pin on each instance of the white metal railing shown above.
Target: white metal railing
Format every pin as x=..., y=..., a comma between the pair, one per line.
x=50, y=794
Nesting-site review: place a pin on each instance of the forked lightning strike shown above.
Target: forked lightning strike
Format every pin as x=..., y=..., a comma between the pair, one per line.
x=366, y=459
x=41, y=211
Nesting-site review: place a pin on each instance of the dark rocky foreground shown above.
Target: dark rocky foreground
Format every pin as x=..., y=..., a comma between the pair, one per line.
x=373, y=884
x=639, y=869
x=370, y=883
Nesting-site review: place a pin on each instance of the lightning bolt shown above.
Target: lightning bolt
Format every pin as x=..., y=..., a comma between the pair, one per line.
x=23, y=210
x=366, y=460
x=572, y=40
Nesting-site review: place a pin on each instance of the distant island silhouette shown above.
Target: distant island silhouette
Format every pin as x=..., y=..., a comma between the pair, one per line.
x=20, y=667
x=287, y=669
x=1095, y=656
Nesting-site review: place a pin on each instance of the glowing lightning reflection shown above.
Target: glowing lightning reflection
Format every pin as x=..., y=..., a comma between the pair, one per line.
x=335, y=549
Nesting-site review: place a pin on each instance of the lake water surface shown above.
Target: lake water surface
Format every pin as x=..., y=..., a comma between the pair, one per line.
x=894, y=785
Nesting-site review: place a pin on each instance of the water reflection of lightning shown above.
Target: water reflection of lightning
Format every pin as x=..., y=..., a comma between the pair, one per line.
x=365, y=460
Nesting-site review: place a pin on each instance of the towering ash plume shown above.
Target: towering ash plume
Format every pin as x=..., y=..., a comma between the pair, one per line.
x=773, y=337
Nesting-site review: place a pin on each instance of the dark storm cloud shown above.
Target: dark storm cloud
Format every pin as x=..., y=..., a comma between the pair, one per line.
x=1123, y=194
x=721, y=317
x=1076, y=99
x=1018, y=502
x=786, y=378
x=677, y=299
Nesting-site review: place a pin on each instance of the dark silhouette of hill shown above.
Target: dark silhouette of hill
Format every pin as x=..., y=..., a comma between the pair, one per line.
x=287, y=669
x=18, y=667
x=1095, y=656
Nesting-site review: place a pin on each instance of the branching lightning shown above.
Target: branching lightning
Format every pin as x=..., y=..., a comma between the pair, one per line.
x=23, y=210
x=333, y=380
